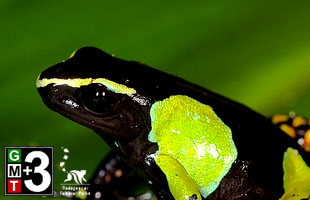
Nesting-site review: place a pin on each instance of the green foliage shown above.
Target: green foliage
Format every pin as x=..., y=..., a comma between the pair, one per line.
x=256, y=53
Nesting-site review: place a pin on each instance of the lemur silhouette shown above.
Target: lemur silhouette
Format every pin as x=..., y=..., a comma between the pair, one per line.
x=77, y=175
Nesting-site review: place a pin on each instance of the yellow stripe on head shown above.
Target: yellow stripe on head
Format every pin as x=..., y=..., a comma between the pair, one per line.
x=78, y=82
x=70, y=82
x=73, y=53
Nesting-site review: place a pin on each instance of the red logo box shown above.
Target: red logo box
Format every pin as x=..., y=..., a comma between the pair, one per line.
x=14, y=186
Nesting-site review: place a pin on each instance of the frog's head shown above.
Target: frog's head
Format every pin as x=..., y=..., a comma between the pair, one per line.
x=100, y=91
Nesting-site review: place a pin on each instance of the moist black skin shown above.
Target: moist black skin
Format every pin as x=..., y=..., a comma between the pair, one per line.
x=257, y=172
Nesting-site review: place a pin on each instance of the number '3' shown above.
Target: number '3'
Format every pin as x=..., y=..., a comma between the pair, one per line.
x=46, y=177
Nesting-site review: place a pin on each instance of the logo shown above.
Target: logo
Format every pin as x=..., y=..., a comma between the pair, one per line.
x=77, y=175
x=29, y=171
x=75, y=183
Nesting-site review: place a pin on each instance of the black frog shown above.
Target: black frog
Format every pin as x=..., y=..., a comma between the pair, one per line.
x=114, y=97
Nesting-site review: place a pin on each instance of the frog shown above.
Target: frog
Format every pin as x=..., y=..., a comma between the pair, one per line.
x=182, y=140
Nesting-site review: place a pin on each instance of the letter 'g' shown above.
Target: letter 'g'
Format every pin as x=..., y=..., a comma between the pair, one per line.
x=14, y=155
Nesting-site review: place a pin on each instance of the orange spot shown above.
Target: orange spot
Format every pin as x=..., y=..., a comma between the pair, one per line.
x=306, y=145
x=108, y=178
x=276, y=119
x=297, y=121
x=118, y=173
x=288, y=130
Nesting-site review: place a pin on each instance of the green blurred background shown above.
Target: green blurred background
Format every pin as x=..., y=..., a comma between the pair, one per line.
x=255, y=52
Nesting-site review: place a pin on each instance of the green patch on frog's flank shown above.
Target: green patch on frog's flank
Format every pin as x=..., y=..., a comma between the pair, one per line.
x=296, y=176
x=196, y=138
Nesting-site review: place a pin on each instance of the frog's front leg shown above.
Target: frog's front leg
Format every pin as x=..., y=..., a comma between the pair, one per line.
x=115, y=180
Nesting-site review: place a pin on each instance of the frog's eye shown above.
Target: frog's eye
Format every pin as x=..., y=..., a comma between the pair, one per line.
x=96, y=98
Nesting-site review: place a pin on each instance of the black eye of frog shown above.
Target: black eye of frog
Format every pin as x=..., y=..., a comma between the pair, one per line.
x=96, y=98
